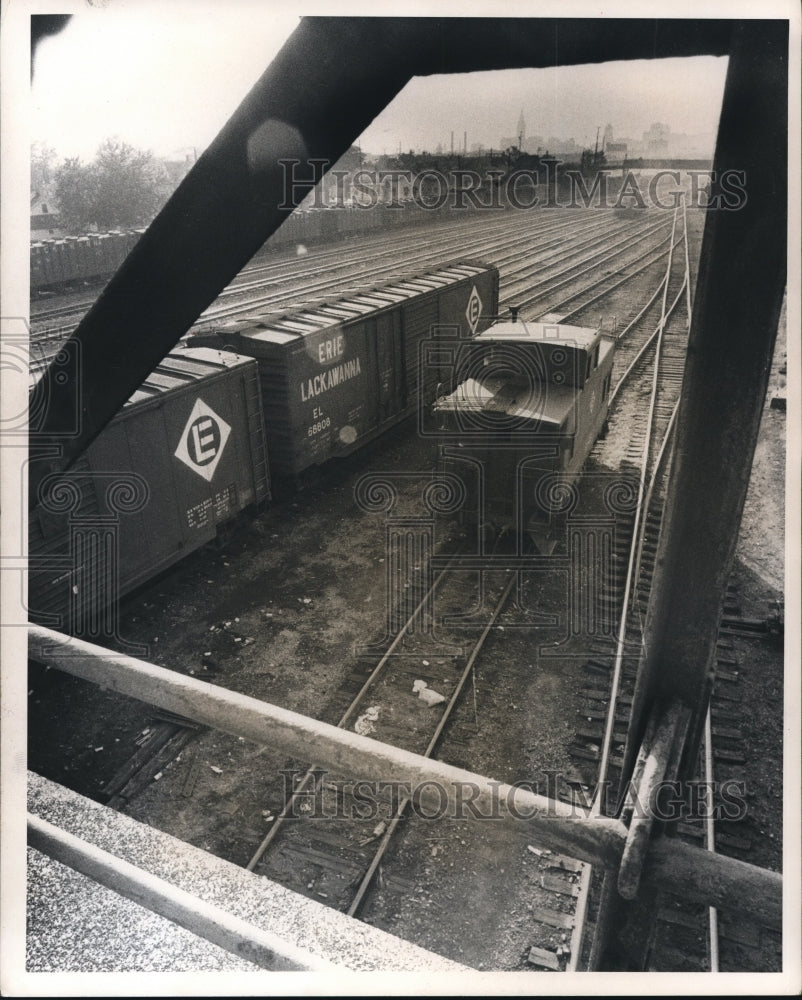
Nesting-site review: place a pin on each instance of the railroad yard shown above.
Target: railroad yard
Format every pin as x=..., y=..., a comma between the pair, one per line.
x=313, y=603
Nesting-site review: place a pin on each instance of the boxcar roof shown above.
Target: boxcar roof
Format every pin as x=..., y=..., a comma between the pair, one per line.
x=179, y=369
x=297, y=323
x=186, y=368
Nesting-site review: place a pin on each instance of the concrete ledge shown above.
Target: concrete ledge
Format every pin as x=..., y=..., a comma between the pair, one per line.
x=76, y=925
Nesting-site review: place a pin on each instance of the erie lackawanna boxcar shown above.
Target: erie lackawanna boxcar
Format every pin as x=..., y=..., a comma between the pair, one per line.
x=337, y=374
x=530, y=401
x=184, y=456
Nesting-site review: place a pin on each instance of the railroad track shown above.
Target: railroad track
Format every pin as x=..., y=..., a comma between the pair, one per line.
x=688, y=938
x=694, y=938
x=523, y=243
x=518, y=247
x=610, y=671
x=302, y=275
x=331, y=839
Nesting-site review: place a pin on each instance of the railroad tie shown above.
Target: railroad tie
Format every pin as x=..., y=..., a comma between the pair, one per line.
x=543, y=958
x=553, y=883
x=553, y=918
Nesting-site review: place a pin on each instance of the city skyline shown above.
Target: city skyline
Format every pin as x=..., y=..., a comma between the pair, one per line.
x=677, y=143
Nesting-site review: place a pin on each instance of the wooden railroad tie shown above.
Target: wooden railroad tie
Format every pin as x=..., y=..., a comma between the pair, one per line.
x=543, y=958
x=191, y=779
x=553, y=918
x=565, y=863
x=554, y=884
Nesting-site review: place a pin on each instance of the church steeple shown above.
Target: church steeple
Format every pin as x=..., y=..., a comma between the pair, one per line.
x=521, y=133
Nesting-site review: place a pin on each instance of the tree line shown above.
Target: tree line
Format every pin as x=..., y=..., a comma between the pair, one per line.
x=121, y=188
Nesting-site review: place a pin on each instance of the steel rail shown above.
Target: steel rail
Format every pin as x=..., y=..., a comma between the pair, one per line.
x=405, y=800
x=647, y=343
x=597, y=802
x=402, y=242
x=482, y=244
x=710, y=842
x=664, y=452
x=573, y=274
x=345, y=719
x=594, y=240
x=607, y=291
x=619, y=656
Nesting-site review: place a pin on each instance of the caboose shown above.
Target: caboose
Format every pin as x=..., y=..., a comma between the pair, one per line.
x=530, y=401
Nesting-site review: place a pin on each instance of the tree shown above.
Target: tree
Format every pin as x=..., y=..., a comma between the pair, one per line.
x=74, y=196
x=121, y=188
x=43, y=171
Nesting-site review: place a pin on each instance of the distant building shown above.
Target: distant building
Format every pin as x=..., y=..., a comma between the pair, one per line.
x=526, y=144
x=655, y=140
x=44, y=218
x=615, y=152
x=562, y=148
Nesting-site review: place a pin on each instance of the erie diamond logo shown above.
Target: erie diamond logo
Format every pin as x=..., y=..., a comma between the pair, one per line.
x=474, y=310
x=203, y=440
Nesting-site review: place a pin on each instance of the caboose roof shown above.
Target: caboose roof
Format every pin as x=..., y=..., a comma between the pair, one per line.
x=581, y=337
x=549, y=405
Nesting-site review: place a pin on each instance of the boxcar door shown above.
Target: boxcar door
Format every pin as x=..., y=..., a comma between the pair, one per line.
x=389, y=364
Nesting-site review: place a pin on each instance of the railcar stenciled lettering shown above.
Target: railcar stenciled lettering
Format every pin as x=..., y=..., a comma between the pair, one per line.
x=327, y=350
x=328, y=380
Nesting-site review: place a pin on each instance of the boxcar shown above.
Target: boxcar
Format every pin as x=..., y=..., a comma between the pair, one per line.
x=184, y=456
x=337, y=374
x=38, y=264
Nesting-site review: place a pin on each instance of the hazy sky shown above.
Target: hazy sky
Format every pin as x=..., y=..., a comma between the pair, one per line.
x=166, y=75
